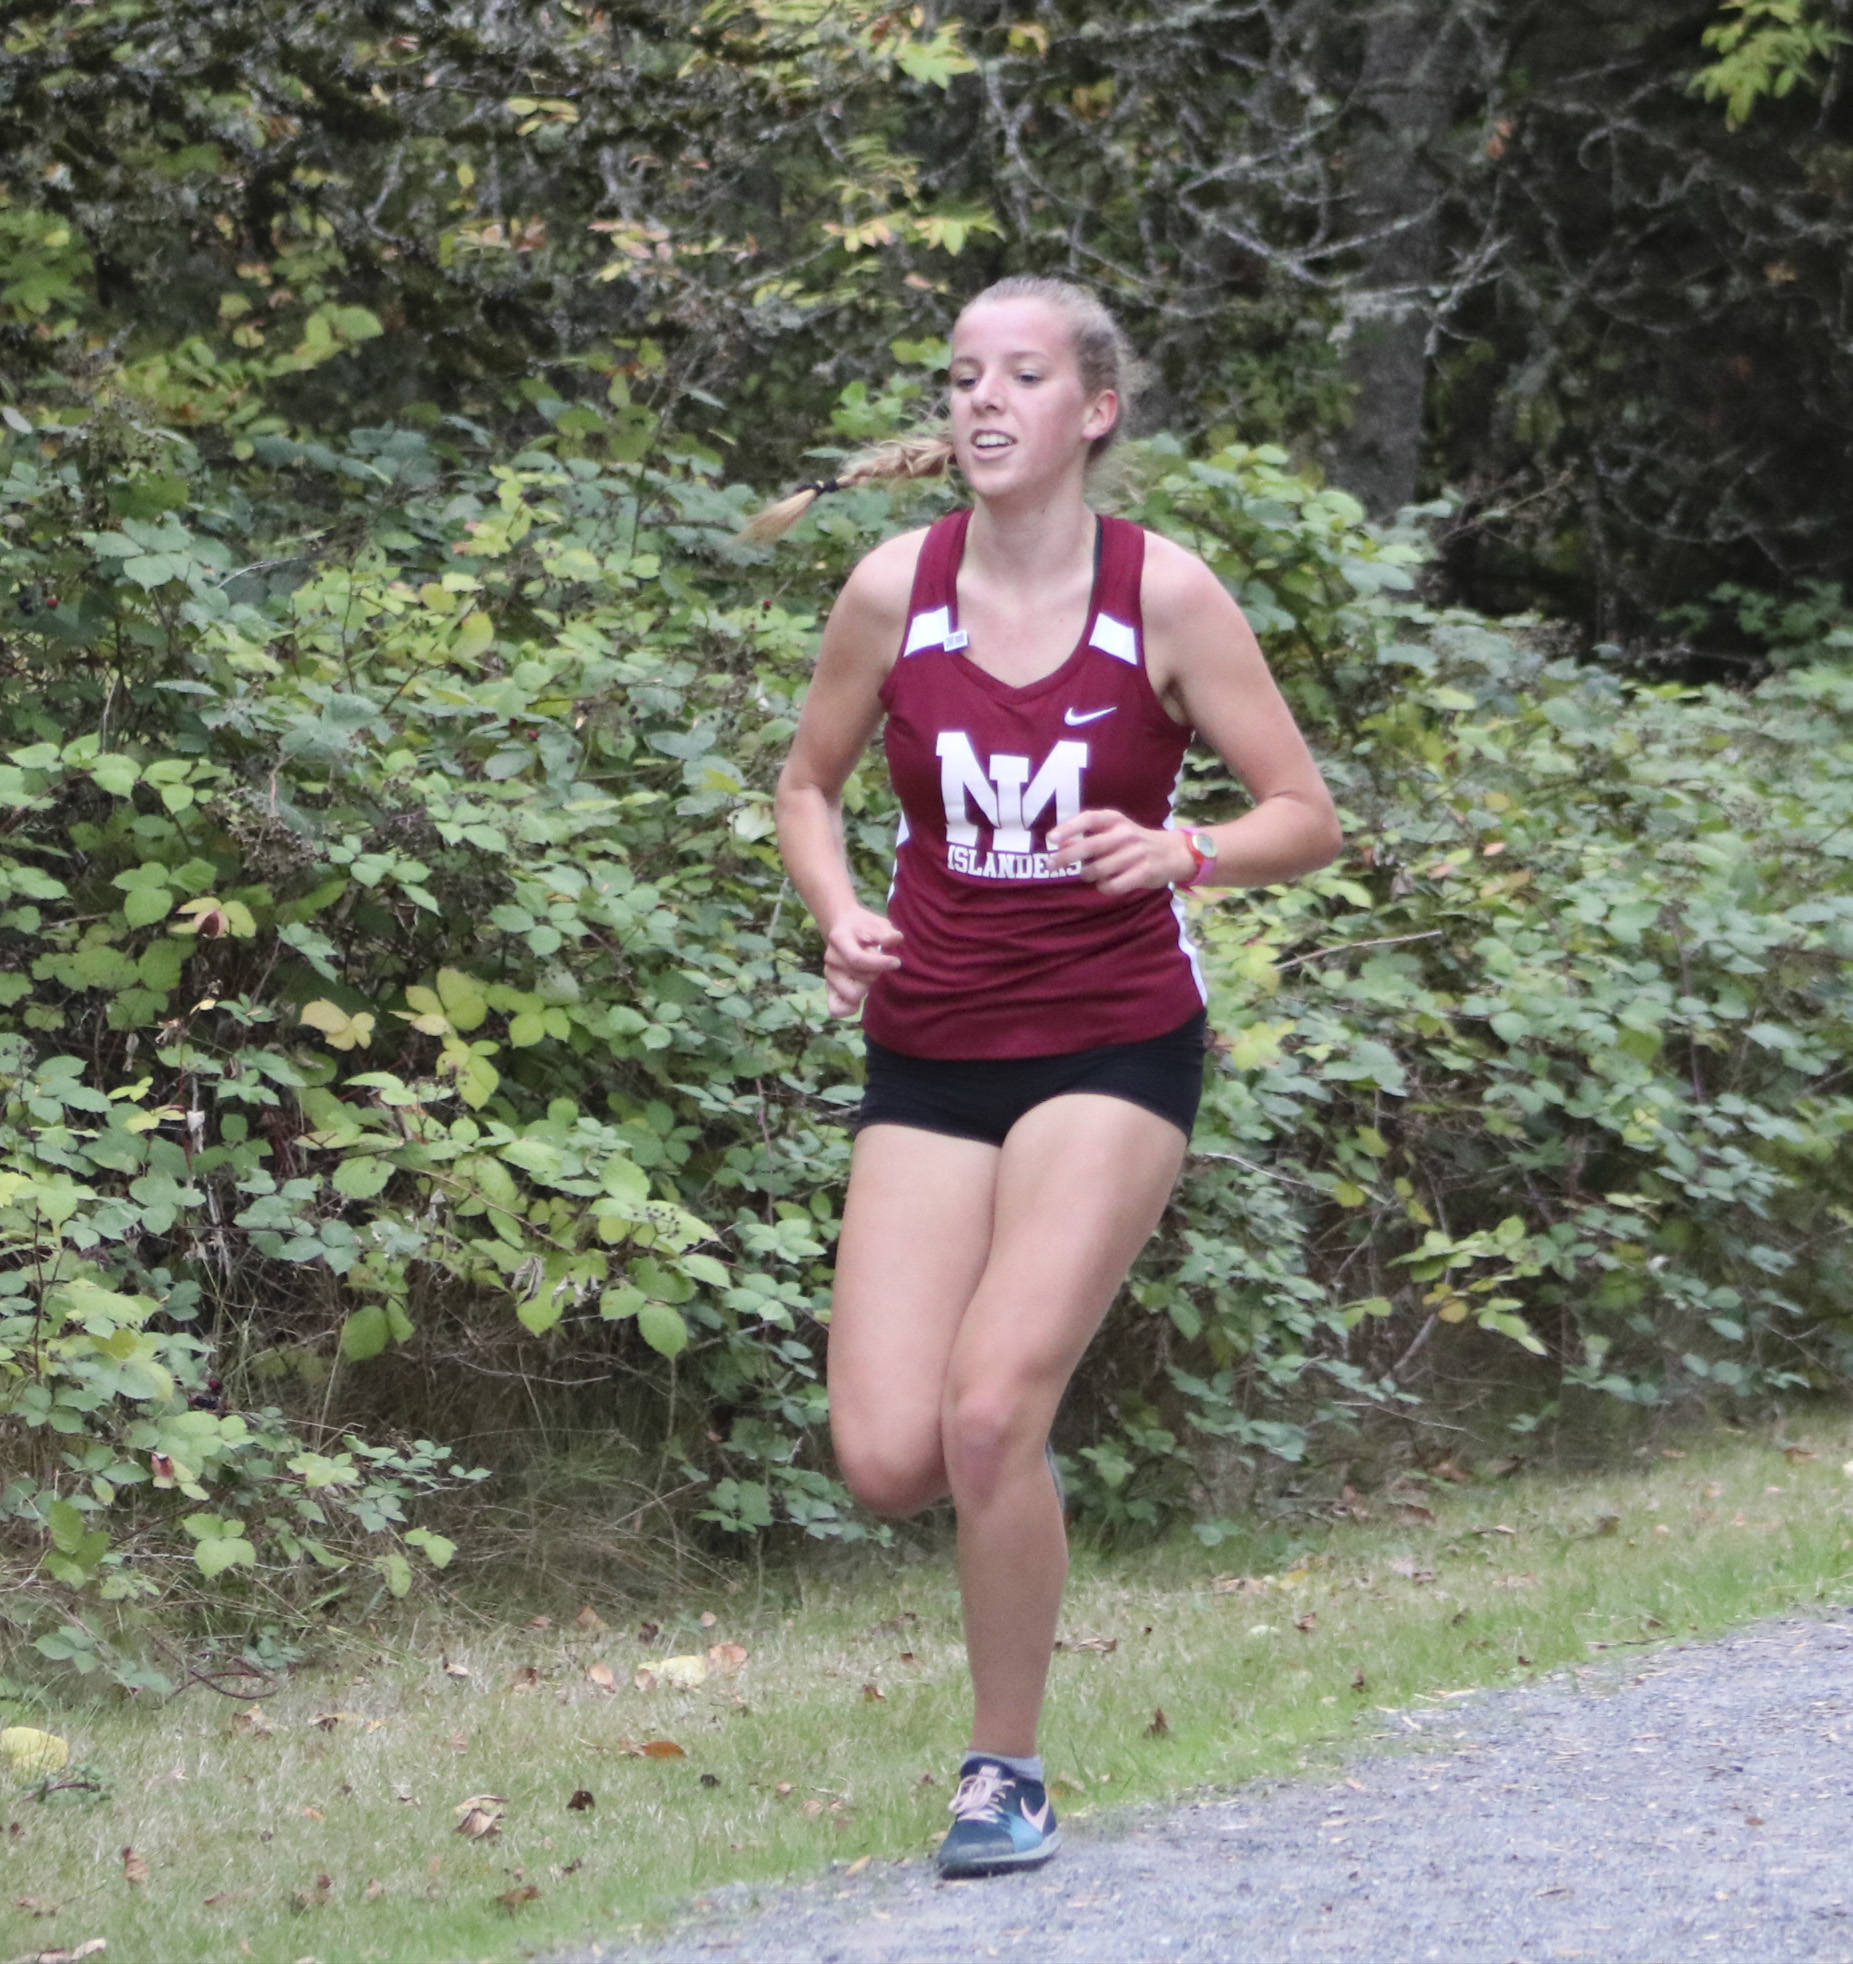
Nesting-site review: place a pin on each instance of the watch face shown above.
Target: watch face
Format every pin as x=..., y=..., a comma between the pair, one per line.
x=1204, y=843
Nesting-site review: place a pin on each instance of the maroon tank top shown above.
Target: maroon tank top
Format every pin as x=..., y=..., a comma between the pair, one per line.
x=1005, y=954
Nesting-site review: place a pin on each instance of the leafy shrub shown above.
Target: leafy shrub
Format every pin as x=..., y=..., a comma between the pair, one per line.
x=398, y=963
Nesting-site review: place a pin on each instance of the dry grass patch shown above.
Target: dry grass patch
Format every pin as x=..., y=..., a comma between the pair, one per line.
x=481, y=1787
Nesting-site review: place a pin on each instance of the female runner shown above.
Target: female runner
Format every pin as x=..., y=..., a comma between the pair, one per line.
x=1034, y=1013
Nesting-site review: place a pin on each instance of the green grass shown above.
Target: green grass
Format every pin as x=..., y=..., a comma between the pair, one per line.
x=1262, y=1656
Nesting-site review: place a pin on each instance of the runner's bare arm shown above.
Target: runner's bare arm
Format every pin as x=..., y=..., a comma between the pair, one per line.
x=841, y=712
x=1207, y=668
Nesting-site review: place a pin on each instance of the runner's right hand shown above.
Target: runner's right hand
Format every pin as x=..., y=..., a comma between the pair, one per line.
x=860, y=946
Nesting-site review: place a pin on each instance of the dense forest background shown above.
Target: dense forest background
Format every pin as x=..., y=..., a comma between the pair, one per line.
x=411, y=1061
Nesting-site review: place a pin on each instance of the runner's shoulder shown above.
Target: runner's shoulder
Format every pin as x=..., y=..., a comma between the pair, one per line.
x=875, y=596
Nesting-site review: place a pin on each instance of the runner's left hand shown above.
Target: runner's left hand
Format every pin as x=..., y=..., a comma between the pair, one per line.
x=1118, y=856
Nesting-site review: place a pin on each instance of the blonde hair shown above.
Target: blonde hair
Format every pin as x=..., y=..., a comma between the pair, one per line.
x=1102, y=354
x=928, y=453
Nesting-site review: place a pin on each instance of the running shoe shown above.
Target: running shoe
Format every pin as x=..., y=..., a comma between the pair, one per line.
x=999, y=1821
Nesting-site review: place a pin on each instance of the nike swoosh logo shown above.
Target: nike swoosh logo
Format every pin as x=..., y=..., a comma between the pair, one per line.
x=1078, y=717
x=1038, y=1817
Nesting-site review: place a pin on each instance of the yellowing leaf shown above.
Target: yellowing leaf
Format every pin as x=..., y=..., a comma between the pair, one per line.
x=343, y=1031
x=30, y=1752
x=685, y=1673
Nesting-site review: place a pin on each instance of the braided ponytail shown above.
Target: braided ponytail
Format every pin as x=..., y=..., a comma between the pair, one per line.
x=928, y=454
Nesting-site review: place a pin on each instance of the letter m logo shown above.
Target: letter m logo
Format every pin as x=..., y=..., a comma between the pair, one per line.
x=1010, y=799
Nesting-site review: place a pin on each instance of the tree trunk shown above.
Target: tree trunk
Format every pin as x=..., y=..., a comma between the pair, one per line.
x=1414, y=60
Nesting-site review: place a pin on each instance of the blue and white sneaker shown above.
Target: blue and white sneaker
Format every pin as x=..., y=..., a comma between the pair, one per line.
x=999, y=1821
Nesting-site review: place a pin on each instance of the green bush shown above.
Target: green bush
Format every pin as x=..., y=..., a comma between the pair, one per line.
x=396, y=953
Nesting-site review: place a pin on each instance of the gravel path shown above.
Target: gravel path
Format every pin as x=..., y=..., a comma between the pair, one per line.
x=1696, y=1806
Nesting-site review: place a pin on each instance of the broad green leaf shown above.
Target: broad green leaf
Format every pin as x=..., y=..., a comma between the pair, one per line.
x=215, y=1557
x=663, y=1328
x=361, y=1178
x=364, y=1334
x=438, y=1548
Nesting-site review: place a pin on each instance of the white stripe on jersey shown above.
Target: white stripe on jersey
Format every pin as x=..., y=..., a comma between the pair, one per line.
x=1116, y=638
x=928, y=630
x=1184, y=941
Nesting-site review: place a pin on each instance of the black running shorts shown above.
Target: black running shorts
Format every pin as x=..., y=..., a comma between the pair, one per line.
x=983, y=1097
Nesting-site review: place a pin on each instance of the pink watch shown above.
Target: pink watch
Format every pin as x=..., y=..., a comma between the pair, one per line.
x=1202, y=846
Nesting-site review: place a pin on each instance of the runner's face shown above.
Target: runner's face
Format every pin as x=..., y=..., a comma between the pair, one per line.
x=1021, y=417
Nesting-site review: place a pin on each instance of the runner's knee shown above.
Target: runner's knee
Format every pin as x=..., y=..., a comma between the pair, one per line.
x=988, y=1429
x=887, y=1481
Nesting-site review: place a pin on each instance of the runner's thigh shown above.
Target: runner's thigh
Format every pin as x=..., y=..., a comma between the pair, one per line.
x=916, y=1234
x=1083, y=1181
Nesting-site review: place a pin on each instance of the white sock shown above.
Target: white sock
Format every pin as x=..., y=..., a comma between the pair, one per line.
x=1026, y=1766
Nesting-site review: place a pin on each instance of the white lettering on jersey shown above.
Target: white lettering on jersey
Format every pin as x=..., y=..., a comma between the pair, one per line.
x=1011, y=801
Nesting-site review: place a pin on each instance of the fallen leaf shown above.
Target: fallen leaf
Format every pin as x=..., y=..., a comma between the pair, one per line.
x=812, y=1808
x=589, y=1619
x=872, y=1694
x=327, y=1721
x=685, y=1673
x=540, y=1622
x=858, y=1865
x=315, y=1896
x=907, y=1657
x=1160, y=1727
x=649, y=1632
x=1308, y=1623
x=91, y=1947
x=456, y=1670
x=726, y=1659
x=1606, y=1524
x=460, y=1742
x=662, y=1749
x=1104, y=1646
x=512, y=1899
x=480, y=1816
x=710, y=1779
x=312, y=1813
x=644, y=1678
x=582, y=1800
x=785, y=1787
x=36, y=1905
x=1358, y=1682
x=603, y=1676
x=524, y=1679
x=253, y=1722
x=134, y=1869
x=708, y=1619
x=1796, y=1453
x=1496, y=1528
x=374, y=1890
x=27, y=1750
